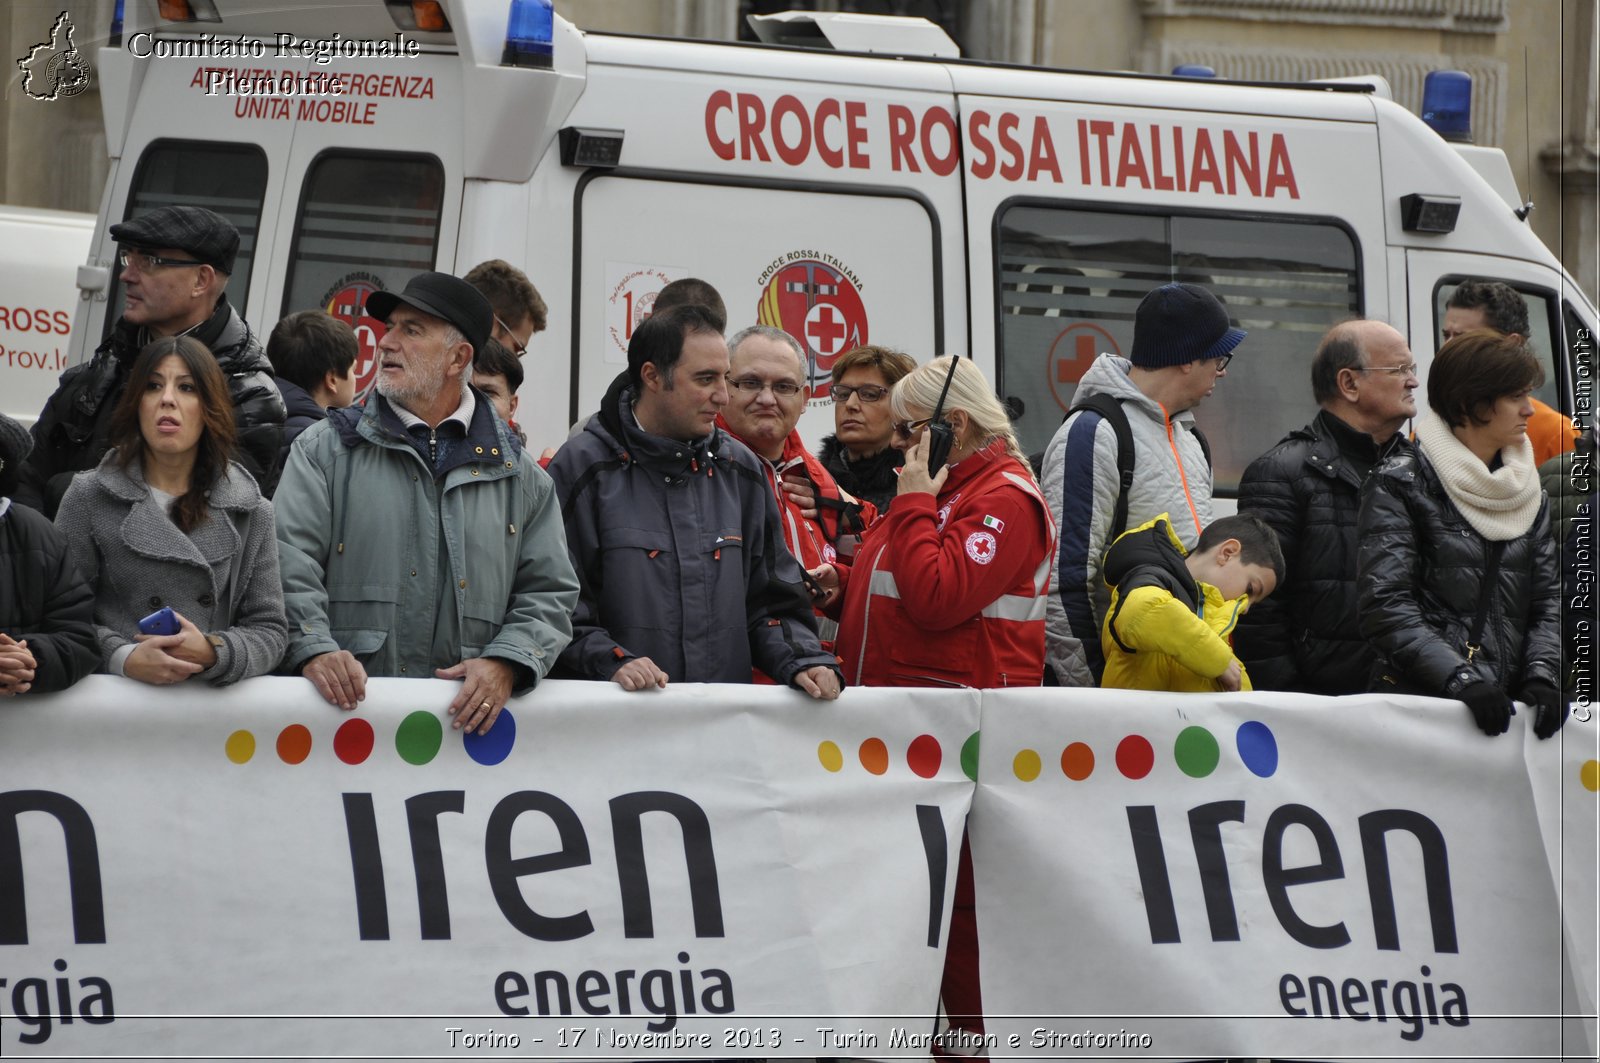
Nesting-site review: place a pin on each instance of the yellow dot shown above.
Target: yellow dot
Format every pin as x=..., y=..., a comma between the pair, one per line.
x=241, y=747
x=1590, y=774
x=830, y=756
x=1026, y=765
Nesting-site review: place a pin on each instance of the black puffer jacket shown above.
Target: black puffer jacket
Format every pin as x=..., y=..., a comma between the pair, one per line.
x=44, y=600
x=1422, y=579
x=875, y=479
x=71, y=434
x=1308, y=489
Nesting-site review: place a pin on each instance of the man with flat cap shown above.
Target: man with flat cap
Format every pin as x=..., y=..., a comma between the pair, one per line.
x=175, y=262
x=1182, y=343
x=414, y=536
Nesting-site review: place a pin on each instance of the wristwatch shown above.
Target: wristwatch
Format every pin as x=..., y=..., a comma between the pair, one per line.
x=215, y=640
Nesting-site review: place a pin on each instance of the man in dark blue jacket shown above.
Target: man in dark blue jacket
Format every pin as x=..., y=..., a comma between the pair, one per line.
x=675, y=533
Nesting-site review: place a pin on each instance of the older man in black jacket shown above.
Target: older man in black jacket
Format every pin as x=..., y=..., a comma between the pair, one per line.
x=1308, y=488
x=175, y=264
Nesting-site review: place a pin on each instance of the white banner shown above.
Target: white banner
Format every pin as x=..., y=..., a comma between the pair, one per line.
x=1269, y=875
x=709, y=872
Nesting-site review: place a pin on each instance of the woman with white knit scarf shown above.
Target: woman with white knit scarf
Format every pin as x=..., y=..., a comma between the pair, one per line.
x=1459, y=588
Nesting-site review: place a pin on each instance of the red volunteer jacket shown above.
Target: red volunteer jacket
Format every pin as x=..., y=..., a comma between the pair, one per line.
x=951, y=591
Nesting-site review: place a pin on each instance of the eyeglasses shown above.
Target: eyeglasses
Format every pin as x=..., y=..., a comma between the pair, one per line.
x=1222, y=361
x=518, y=347
x=866, y=393
x=784, y=389
x=1409, y=369
x=910, y=428
x=145, y=262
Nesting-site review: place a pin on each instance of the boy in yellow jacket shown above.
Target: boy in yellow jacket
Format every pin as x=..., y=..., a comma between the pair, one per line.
x=1172, y=615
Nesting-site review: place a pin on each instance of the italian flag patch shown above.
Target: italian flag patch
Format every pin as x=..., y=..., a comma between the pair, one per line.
x=994, y=522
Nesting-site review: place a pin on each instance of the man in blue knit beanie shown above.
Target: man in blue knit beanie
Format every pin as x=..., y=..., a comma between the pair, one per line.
x=1182, y=343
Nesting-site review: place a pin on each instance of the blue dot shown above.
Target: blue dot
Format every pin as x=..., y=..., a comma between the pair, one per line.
x=492, y=748
x=1258, y=749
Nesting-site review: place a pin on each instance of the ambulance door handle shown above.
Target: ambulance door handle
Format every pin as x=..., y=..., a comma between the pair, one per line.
x=93, y=279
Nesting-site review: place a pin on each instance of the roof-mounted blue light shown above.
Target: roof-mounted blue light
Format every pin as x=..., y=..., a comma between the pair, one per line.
x=1447, y=104
x=1193, y=70
x=530, y=34
x=114, y=38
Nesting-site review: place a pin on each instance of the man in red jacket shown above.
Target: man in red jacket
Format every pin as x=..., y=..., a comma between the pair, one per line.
x=767, y=395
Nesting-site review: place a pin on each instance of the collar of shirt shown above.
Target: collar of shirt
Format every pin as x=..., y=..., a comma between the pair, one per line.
x=462, y=416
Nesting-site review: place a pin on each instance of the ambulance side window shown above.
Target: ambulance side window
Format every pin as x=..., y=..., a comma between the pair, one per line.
x=367, y=221
x=230, y=179
x=1070, y=281
x=1541, y=305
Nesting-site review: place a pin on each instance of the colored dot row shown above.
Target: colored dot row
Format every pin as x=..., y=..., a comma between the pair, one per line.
x=1195, y=751
x=417, y=741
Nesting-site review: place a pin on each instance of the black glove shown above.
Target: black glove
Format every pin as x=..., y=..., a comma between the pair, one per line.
x=1491, y=708
x=1549, y=707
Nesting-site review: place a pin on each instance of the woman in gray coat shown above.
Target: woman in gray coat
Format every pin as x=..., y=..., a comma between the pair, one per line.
x=168, y=520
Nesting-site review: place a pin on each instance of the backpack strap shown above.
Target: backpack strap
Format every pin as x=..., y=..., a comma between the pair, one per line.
x=1110, y=410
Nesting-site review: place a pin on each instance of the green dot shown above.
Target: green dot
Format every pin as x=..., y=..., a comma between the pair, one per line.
x=1196, y=752
x=969, y=757
x=419, y=737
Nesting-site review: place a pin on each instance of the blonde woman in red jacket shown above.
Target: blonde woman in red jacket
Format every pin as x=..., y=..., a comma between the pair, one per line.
x=948, y=589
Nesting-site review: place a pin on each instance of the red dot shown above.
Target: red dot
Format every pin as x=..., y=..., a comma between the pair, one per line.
x=352, y=742
x=1135, y=758
x=875, y=756
x=1077, y=762
x=294, y=744
x=924, y=755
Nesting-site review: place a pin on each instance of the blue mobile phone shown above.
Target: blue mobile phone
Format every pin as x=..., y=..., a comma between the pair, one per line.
x=161, y=622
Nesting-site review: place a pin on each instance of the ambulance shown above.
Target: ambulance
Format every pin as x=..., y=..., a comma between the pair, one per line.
x=40, y=252
x=850, y=179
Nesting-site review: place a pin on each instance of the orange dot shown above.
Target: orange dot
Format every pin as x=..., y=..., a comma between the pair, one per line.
x=1077, y=762
x=294, y=744
x=875, y=756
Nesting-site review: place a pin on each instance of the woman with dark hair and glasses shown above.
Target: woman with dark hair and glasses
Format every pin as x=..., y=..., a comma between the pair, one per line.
x=1459, y=589
x=172, y=533
x=858, y=454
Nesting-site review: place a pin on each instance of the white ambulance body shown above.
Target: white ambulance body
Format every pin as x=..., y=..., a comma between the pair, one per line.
x=932, y=205
x=40, y=252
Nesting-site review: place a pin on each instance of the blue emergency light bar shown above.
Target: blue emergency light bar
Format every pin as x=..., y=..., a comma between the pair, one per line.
x=530, y=34
x=1447, y=104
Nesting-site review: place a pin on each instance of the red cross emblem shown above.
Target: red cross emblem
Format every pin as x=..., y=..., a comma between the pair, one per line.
x=819, y=306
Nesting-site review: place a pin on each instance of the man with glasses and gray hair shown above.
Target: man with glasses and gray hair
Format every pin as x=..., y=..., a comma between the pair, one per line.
x=1308, y=489
x=175, y=263
x=767, y=393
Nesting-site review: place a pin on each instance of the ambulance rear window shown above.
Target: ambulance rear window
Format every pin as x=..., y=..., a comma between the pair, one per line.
x=230, y=179
x=367, y=221
x=1070, y=281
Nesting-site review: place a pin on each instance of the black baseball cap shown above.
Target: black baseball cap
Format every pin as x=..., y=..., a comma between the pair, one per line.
x=445, y=297
x=205, y=234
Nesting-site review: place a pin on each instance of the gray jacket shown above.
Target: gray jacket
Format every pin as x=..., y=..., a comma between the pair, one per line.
x=136, y=561
x=412, y=571
x=1080, y=482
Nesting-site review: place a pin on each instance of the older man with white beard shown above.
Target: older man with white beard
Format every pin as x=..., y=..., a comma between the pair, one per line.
x=415, y=537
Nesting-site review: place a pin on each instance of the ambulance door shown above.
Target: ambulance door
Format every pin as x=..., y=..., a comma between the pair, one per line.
x=190, y=143
x=1079, y=209
x=835, y=269
x=1433, y=276
x=376, y=192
